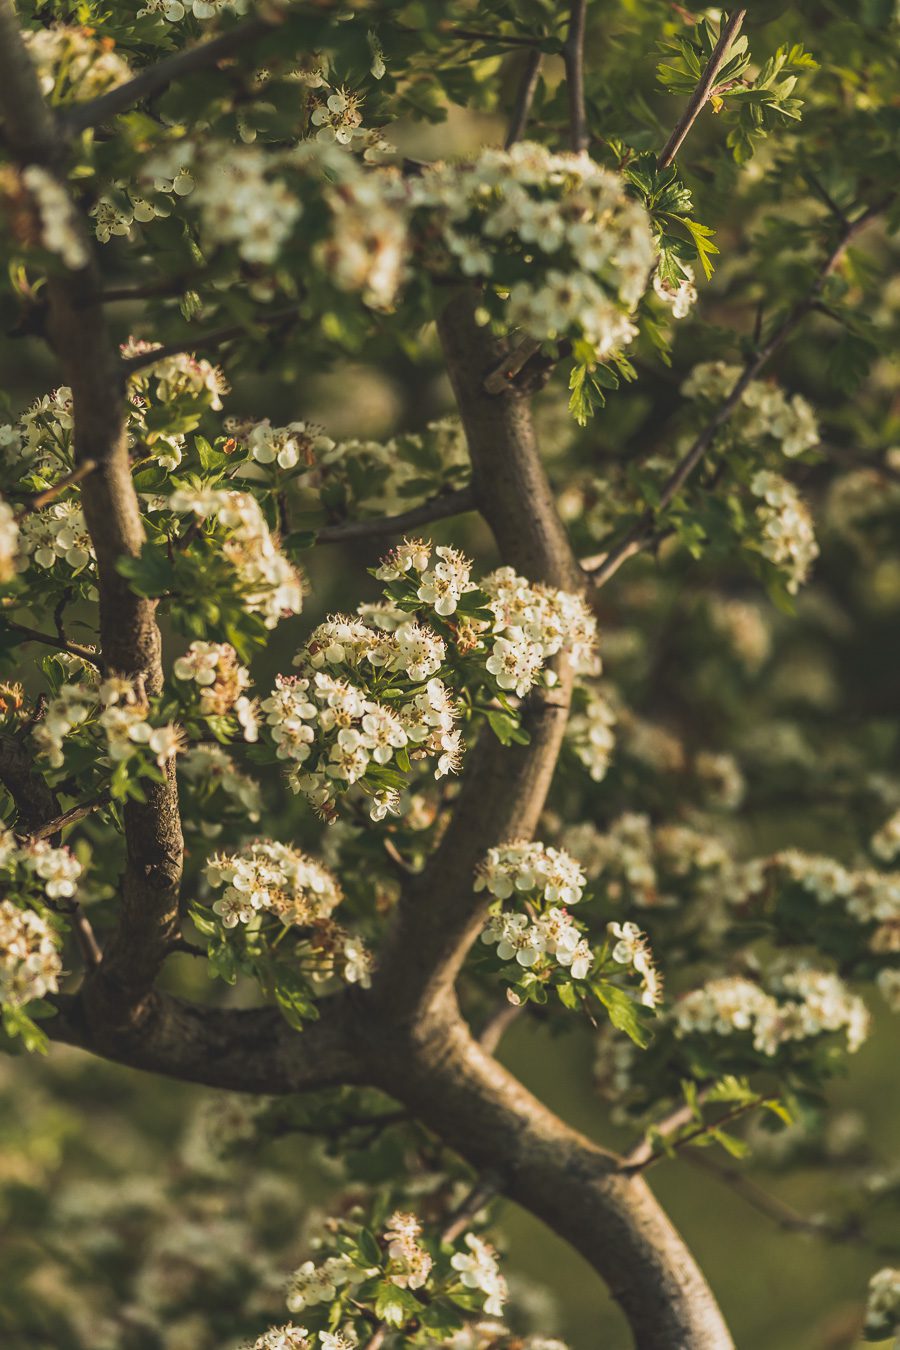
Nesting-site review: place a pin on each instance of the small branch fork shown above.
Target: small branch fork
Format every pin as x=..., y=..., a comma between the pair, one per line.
x=704, y=89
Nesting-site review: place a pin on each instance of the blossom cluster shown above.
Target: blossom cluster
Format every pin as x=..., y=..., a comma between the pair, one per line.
x=551, y=936
x=56, y=535
x=870, y=898
x=74, y=63
x=9, y=541
x=30, y=963
x=269, y=877
x=787, y=537
x=805, y=1003
x=58, y=223
x=650, y=866
x=173, y=11
x=531, y=623
x=120, y=710
x=221, y=681
x=590, y=734
x=883, y=1304
x=764, y=412
x=270, y=586
x=337, y=1284
x=526, y=866
x=335, y=735
x=588, y=245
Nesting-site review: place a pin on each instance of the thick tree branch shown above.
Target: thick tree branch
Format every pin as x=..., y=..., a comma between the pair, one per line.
x=438, y=508
x=704, y=89
x=640, y=535
x=252, y=1050
x=129, y=636
x=504, y=788
x=561, y=1177
x=573, y=54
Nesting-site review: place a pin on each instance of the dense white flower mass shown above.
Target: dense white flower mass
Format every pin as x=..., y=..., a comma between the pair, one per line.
x=287, y=1337
x=765, y=410
x=214, y=667
x=681, y=296
x=786, y=528
x=410, y=1264
x=271, y=877
x=242, y=204
x=810, y=1003
x=591, y=736
x=9, y=541
x=30, y=964
x=526, y=866
x=478, y=1268
x=74, y=63
x=57, y=534
x=885, y=843
x=270, y=585
x=59, y=223
x=883, y=1305
x=589, y=245
x=553, y=935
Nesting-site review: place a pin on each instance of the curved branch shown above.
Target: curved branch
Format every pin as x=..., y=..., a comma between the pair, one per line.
x=243, y=1050
x=129, y=636
x=558, y=1175
x=504, y=788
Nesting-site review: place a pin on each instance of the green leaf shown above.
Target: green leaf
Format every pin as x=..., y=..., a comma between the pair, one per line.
x=505, y=728
x=623, y=1013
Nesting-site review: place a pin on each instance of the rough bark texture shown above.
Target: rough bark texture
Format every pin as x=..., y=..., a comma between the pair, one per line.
x=406, y=1036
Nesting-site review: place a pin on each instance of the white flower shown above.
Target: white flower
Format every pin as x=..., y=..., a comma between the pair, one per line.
x=272, y=877
x=59, y=223
x=478, y=1269
x=445, y=583
x=30, y=965
x=9, y=541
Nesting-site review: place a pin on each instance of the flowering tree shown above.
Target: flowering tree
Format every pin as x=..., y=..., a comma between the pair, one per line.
x=227, y=181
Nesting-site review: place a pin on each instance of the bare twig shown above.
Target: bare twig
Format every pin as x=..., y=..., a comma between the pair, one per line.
x=704, y=89
x=41, y=499
x=70, y=817
x=573, y=54
x=503, y=373
x=497, y=1024
x=636, y=540
x=61, y=644
x=484, y=1190
x=217, y=337
x=524, y=97
x=438, y=508
x=155, y=78
x=702, y=1130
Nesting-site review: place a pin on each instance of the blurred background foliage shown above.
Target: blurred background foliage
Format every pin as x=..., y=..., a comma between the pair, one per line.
x=113, y=1213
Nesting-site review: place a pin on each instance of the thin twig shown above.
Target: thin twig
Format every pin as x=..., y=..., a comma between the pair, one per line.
x=508, y=39
x=502, y=375
x=524, y=98
x=41, y=499
x=704, y=89
x=70, y=817
x=438, y=508
x=484, y=1190
x=497, y=1024
x=205, y=341
x=636, y=540
x=708, y=1127
x=573, y=54
x=158, y=77
x=73, y=648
